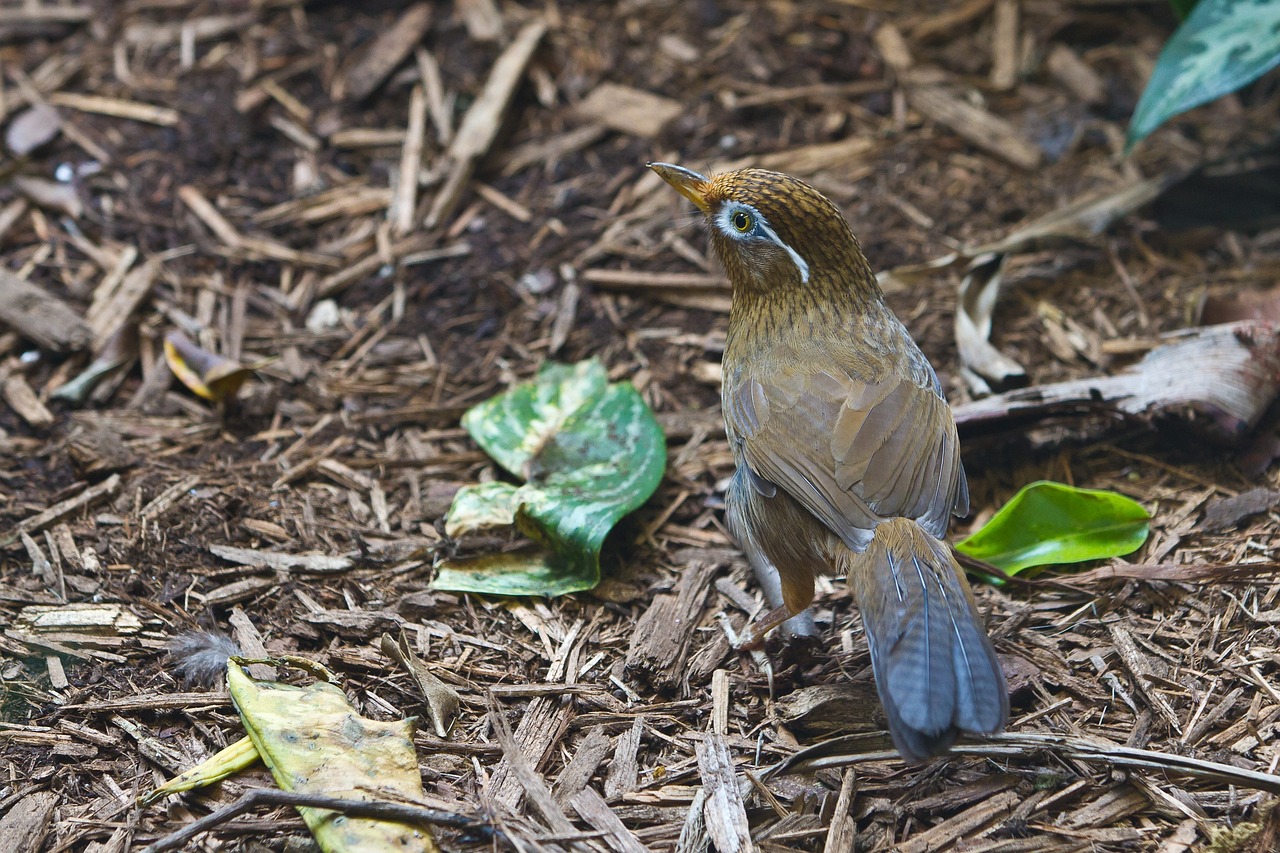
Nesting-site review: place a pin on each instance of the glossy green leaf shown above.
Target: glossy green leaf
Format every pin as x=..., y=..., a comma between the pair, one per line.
x=1221, y=46
x=1049, y=523
x=589, y=451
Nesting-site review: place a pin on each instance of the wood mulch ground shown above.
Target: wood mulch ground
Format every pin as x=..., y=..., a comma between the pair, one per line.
x=394, y=211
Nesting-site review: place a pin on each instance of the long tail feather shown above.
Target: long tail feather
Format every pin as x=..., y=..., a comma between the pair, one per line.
x=936, y=670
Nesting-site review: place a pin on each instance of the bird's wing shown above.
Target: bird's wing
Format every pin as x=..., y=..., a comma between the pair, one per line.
x=853, y=445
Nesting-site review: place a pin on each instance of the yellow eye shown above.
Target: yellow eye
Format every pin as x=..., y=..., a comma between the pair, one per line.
x=742, y=221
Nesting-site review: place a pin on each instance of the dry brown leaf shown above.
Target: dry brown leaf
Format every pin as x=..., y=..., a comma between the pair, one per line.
x=443, y=701
x=209, y=375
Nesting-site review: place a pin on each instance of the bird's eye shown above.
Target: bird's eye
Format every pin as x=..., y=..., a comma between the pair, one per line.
x=742, y=221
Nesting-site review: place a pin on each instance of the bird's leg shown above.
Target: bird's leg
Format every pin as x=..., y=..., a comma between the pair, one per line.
x=753, y=640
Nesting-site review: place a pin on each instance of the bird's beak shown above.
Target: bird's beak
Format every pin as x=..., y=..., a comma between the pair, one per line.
x=687, y=182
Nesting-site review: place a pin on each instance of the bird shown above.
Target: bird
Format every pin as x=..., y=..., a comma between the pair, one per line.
x=846, y=451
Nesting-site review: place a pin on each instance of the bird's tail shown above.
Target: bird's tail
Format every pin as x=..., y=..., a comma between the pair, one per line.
x=935, y=668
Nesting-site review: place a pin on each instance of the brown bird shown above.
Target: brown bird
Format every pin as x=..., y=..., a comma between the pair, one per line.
x=846, y=450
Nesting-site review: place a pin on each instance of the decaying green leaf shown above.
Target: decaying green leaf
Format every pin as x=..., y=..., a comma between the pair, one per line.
x=589, y=451
x=1221, y=46
x=1048, y=523
x=314, y=741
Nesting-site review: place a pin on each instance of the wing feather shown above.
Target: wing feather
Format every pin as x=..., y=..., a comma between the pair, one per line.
x=853, y=445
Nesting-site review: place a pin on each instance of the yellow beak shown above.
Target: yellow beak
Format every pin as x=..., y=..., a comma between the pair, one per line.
x=687, y=182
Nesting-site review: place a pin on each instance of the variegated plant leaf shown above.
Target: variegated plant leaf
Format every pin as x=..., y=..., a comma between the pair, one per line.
x=589, y=451
x=1220, y=47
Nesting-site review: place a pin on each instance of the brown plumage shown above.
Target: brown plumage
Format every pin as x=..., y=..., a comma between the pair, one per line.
x=846, y=450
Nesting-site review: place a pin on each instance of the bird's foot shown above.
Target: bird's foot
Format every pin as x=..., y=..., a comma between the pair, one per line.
x=753, y=639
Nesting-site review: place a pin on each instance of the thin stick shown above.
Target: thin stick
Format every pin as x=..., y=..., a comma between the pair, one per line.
x=379, y=810
x=1009, y=744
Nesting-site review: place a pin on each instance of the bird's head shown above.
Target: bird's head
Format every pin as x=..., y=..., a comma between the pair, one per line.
x=774, y=232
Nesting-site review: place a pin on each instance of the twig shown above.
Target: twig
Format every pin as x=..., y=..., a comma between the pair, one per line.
x=378, y=810
x=833, y=754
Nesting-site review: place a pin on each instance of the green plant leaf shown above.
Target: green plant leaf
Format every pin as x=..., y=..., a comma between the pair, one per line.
x=1182, y=8
x=590, y=452
x=1220, y=47
x=1047, y=523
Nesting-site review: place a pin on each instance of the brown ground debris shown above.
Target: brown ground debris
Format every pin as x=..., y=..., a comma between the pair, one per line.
x=395, y=210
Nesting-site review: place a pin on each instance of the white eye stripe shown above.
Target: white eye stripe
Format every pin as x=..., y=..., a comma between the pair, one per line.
x=800, y=262
x=724, y=221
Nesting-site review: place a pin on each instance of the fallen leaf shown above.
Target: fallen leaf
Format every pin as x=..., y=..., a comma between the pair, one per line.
x=1228, y=512
x=32, y=128
x=53, y=195
x=590, y=453
x=443, y=701
x=209, y=375
x=977, y=300
x=1048, y=523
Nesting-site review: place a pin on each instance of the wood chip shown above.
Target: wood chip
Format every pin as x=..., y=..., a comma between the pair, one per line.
x=51, y=195
x=1074, y=73
x=724, y=812
x=91, y=618
x=119, y=296
x=522, y=771
x=981, y=128
x=144, y=33
x=26, y=824
x=319, y=563
x=249, y=639
x=481, y=124
x=1005, y=51
x=64, y=509
x=590, y=752
x=843, y=829
x=660, y=643
x=1141, y=669
x=946, y=21
x=592, y=808
x=38, y=315
x=482, y=19
x=381, y=56
x=22, y=398
x=404, y=203
x=624, y=769
x=32, y=128
x=547, y=151
x=1229, y=374
x=641, y=280
x=893, y=47
x=117, y=108
x=541, y=726
x=962, y=826
x=1225, y=513
x=629, y=110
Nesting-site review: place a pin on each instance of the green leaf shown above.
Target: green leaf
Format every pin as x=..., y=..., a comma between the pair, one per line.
x=1182, y=8
x=1047, y=523
x=590, y=453
x=1220, y=47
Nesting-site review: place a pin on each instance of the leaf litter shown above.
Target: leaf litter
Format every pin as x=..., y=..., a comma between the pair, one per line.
x=220, y=181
